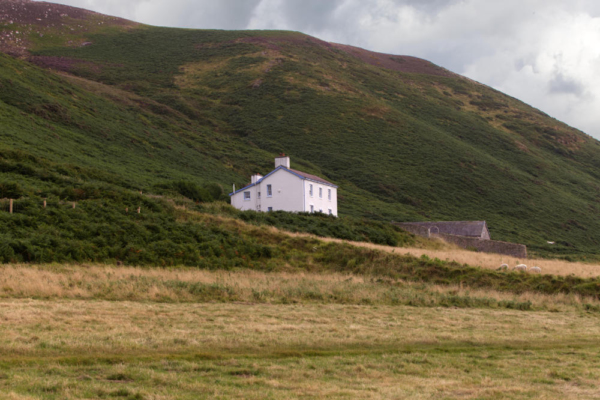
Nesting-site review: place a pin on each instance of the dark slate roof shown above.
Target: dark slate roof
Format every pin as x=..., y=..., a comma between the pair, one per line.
x=311, y=177
x=458, y=228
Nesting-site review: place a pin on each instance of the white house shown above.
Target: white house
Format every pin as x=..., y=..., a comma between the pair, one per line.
x=287, y=189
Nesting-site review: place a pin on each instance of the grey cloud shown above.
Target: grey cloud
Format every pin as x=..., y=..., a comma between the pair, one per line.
x=565, y=85
x=310, y=15
x=430, y=7
x=222, y=14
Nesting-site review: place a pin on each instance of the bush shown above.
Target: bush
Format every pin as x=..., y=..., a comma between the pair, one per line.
x=206, y=193
x=9, y=190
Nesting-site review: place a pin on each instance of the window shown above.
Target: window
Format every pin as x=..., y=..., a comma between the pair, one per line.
x=270, y=209
x=246, y=196
x=320, y=193
x=329, y=194
x=310, y=190
x=269, y=191
x=330, y=212
x=312, y=209
x=258, y=195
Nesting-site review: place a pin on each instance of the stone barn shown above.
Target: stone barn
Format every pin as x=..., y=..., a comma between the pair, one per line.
x=471, y=229
x=472, y=235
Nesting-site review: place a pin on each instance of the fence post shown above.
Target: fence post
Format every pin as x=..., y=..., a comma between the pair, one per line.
x=44, y=203
x=126, y=209
x=74, y=205
x=139, y=209
x=10, y=206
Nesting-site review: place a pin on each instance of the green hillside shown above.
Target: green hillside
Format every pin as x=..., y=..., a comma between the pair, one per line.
x=92, y=100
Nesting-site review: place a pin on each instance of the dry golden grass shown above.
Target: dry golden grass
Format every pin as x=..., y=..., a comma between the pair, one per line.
x=41, y=327
x=97, y=349
x=183, y=284
x=484, y=260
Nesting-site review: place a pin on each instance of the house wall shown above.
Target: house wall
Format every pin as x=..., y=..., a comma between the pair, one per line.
x=320, y=203
x=237, y=200
x=485, y=235
x=287, y=192
x=290, y=193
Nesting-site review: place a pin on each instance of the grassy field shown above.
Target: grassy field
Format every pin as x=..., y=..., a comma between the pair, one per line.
x=190, y=285
x=61, y=338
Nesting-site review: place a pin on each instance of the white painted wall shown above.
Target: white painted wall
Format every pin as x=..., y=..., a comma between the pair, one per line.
x=286, y=194
x=237, y=200
x=320, y=202
x=289, y=193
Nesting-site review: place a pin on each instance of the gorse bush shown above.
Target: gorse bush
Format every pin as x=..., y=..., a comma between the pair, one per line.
x=108, y=228
x=205, y=193
x=10, y=191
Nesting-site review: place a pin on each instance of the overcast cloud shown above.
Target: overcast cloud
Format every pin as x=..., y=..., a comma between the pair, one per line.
x=544, y=52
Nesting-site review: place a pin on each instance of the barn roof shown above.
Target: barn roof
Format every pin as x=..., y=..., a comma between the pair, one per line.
x=458, y=228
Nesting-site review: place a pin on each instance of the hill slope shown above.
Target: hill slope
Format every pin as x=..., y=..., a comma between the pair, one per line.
x=134, y=106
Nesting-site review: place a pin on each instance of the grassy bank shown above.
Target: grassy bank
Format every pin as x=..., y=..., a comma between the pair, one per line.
x=104, y=227
x=189, y=285
x=131, y=350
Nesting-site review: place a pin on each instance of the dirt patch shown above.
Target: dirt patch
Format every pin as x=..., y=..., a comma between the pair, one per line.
x=397, y=63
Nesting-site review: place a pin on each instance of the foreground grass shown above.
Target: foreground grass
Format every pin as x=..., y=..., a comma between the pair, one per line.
x=191, y=285
x=67, y=349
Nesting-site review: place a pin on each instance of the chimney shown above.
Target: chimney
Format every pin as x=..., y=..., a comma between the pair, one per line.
x=282, y=160
x=256, y=178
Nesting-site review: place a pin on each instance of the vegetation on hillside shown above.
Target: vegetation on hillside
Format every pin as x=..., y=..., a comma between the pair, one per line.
x=139, y=107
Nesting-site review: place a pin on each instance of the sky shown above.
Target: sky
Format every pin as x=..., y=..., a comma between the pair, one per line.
x=543, y=52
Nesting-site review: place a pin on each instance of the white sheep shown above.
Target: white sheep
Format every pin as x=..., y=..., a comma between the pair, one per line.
x=536, y=270
x=520, y=267
x=503, y=267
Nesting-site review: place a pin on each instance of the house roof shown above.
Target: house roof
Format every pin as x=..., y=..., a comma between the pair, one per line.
x=458, y=228
x=312, y=177
x=299, y=174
